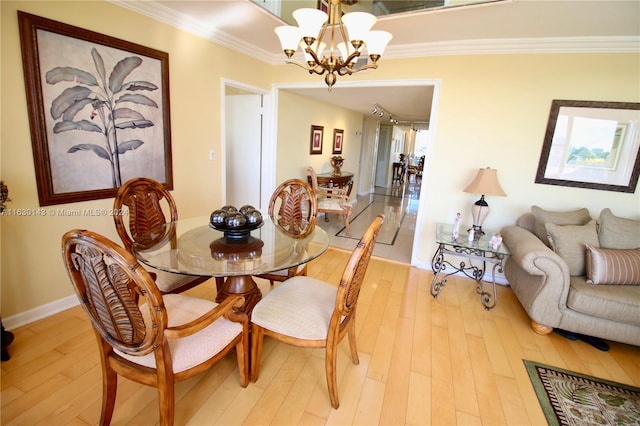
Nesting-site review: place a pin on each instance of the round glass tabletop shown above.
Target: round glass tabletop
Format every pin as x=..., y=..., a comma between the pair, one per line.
x=195, y=248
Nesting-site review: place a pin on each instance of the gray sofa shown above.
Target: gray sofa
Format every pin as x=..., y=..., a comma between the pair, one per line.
x=577, y=274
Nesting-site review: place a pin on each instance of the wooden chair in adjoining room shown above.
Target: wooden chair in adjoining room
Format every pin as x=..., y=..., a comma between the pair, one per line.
x=420, y=167
x=143, y=335
x=307, y=312
x=331, y=200
x=140, y=209
x=294, y=210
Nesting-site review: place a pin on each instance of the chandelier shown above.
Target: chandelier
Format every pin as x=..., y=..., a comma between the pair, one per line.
x=324, y=52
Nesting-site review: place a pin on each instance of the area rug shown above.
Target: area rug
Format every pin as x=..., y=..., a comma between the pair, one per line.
x=569, y=398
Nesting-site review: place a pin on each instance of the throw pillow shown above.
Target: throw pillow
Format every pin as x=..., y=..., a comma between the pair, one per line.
x=569, y=242
x=574, y=217
x=617, y=232
x=608, y=266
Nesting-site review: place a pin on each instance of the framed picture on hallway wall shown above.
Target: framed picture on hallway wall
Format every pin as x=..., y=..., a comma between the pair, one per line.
x=338, y=139
x=98, y=111
x=316, y=140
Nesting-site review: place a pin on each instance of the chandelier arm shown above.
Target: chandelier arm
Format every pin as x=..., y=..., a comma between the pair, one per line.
x=344, y=70
x=298, y=63
x=351, y=57
x=313, y=55
x=317, y=69
x=364, y=67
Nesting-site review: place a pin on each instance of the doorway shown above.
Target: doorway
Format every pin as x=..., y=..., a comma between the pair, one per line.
x=382, y=159
x=369, y=146
x=244, y=132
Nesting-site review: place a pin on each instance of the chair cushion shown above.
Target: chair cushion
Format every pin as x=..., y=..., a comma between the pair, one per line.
x=617, y=232
x=168, y=281
x=570, y=241
x=609, y=266
x=574, y=217
x=285, y=272
x=300, y=307
x=193, y=350
x=329, y=204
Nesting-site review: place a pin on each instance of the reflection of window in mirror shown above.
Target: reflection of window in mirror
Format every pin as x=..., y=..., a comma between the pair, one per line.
x=592, y=142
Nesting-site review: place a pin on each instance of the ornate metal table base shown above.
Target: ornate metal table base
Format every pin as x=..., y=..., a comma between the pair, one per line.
x=439, y=265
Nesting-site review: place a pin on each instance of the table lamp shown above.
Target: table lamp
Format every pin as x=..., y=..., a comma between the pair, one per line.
x=485, y=183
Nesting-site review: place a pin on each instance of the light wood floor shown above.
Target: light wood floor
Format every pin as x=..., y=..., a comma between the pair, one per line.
x=422, y=361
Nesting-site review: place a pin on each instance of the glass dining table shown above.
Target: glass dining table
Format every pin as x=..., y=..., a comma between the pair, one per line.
x=192, y=247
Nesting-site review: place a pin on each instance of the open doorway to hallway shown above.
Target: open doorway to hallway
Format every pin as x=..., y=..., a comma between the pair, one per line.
x=416, y=99
x=399, y=204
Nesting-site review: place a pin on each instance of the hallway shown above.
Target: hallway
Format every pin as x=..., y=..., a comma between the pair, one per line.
x=399, y=204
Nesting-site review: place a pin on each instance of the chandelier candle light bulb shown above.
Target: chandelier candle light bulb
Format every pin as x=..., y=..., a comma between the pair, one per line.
x=332, y=56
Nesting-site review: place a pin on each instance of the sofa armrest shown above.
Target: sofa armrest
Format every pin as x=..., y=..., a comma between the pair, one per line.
x=538, y=276
x=531, y=254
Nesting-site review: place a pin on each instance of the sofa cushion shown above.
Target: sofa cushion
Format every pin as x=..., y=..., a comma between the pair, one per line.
x=617, y=232
x=569, y=242
x=613, y=302
x=608, y=266
x=528, y=222
x=574, y=217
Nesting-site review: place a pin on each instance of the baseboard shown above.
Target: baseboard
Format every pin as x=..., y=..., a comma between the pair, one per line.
x=35, y=314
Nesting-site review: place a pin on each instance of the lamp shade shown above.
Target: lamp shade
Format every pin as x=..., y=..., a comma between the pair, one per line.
x=358, y=24
x=377, y=41
x=310, y=21
x=289, y=37
x=486, y=183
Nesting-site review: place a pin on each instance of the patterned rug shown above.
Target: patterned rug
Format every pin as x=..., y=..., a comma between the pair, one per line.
x=569, y=398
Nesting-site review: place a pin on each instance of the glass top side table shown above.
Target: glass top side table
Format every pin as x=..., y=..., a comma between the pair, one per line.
x=479, y=249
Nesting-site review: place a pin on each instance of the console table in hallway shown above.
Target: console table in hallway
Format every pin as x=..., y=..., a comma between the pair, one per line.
x=344, y=180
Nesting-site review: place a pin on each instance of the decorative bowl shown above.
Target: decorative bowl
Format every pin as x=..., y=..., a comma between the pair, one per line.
x=236, y=224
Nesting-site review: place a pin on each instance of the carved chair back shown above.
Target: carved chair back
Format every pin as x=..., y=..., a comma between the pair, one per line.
x=353, y=276
x=293, y=208
x=148, y=203
x=109, y=281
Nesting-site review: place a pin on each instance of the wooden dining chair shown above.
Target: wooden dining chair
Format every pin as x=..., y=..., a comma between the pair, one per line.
x=331, y=200
x=141, y=208
x=147, y=337
x=293, y=209
x=307, y=312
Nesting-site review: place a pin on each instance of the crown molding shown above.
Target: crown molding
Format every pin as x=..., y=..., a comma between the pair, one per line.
x=591, y=44
x=157, y=11
x=587, y=44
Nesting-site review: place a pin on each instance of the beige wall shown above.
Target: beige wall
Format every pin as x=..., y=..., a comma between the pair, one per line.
x=32, y=269
x=296, y=115
x=492, y=110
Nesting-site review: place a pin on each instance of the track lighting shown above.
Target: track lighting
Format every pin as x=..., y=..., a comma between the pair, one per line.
x=380, y=112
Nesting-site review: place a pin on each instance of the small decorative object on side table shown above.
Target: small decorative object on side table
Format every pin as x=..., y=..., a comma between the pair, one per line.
x=336, y=163
x=484, y=249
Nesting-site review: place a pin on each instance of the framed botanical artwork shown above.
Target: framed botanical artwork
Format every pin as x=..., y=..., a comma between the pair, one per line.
x=338, y=138
x=316, y=140
x=98, y=111
x=592, y=145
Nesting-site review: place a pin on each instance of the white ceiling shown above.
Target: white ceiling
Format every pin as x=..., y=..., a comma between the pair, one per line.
x=506, y=26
